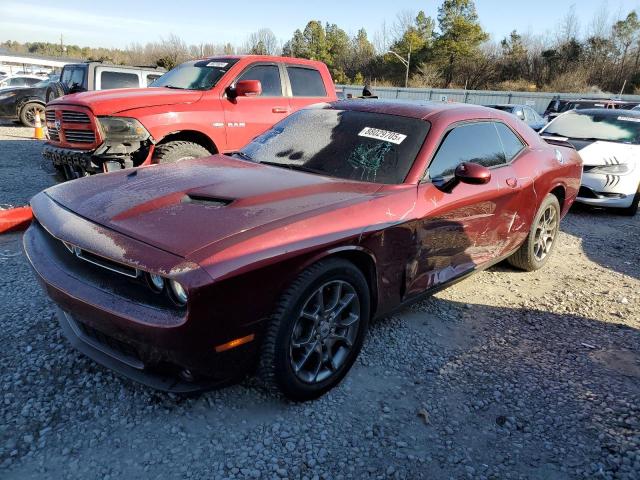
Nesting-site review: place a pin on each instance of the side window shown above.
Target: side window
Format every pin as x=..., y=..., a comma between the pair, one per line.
x=269, y=76
x=152, y=77
x=511, y=144
x=73, y=75
x=529, y=115
x=31, y=81
x=16, y=82
x=306, y=82
x=475, y=142
x=109, y=80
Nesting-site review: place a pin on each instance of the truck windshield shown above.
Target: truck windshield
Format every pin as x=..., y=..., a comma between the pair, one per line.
x=611, y=126
x=353, y=145
x=197, y=75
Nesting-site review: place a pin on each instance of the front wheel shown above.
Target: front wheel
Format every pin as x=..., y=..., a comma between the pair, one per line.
x=29, y=112
x=542, y=238
x=316, y=330
x=178, y=150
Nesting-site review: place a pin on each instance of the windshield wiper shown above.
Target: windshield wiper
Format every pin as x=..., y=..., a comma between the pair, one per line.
x=173, y=86
x=244, y=156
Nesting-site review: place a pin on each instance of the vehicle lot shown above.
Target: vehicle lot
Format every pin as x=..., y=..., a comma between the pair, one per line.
x=505, y=375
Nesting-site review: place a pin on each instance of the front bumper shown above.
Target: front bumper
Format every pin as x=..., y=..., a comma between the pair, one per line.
x=603, y=190
x=73, y=162
x=114, y=321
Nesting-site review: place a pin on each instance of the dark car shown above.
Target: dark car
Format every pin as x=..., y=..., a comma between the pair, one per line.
x=188, y=275
x=25, y=103
x=524, y=112
x=554, y=107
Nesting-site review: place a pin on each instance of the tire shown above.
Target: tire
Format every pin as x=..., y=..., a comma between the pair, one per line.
x=535, y=251
x=633, y=208
x=28, y=112
x=177, y=150
x=290, y=336
x=55, y=90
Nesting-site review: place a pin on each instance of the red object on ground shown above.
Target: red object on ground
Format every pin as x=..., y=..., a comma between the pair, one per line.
x=15, y=219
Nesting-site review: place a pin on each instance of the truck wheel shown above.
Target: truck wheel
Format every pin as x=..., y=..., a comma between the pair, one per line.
x=55, y=90
x=177, y=150
x=28, y=113
x=542, y=238
x=316, y=331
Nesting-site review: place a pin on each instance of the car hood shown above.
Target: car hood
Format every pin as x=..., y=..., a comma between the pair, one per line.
x=182, y=208
x=594, y=153
x=108, y=102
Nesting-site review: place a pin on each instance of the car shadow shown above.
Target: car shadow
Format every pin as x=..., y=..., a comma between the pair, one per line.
x=608, y=239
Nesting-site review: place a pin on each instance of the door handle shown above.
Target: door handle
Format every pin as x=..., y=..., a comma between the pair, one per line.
x=512, y=182
x=280, y=110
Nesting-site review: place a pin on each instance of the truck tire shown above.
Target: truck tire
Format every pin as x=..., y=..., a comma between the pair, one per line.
x=28, y=113
x=55, y=90
x=177, y=150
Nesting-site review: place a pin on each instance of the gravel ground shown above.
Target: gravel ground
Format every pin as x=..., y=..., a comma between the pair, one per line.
x=504, y=375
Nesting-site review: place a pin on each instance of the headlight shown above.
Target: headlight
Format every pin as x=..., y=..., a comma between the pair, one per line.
x=179, y=294
x=122, y=129
x=156, y=282
x=4, y=96
x=615, y=169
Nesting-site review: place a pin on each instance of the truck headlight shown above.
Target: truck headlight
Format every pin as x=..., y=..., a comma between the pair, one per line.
x=615, y=169
x=123, y=129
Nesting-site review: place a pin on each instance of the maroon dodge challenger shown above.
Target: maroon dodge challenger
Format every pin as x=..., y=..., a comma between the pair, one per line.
x=186, y=276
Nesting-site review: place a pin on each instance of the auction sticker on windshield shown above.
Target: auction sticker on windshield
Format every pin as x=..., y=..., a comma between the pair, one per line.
x=385, y=135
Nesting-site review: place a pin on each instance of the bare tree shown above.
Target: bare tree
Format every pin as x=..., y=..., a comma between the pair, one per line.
x=262, y=42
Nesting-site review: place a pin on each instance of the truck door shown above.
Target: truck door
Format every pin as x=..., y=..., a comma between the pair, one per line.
x=247, y=117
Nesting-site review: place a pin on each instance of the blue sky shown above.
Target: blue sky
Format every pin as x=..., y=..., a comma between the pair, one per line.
x=117, y=23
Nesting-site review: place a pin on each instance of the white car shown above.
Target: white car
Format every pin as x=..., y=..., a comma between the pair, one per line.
x=22, y=80
x=609, y=143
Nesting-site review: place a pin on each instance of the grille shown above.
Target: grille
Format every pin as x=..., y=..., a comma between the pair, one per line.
x=50, y=115
x=75, y=117
x=111, y=343
x=79, y=136
x=53, y=134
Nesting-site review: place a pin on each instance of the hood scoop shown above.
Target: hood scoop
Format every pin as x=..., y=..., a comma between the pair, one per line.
x=205, y=200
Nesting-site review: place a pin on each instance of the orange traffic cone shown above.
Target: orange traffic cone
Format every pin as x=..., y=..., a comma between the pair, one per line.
x=39, y=133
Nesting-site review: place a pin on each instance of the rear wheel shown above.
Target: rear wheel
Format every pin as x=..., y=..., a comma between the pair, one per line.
x=28, y=113
x=316, y=331
x=178, y=150
x=542, y=238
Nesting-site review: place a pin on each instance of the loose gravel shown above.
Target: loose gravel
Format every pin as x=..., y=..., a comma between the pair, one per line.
x=505, y=375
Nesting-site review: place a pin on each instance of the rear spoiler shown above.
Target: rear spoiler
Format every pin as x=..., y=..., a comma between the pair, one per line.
x=560, y=142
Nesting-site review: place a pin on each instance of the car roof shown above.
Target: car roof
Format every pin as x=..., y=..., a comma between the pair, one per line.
x=264, y=58
x=606, y=112
x=413, y=108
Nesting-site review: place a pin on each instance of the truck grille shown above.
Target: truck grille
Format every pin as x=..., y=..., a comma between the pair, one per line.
x=75, y=117
x=73, y=127
x=79, y=136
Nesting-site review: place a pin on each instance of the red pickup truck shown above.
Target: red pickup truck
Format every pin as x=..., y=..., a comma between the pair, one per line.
x=197, y=109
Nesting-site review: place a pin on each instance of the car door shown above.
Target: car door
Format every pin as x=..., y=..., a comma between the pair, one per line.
x=469, y=226
x=247, y=117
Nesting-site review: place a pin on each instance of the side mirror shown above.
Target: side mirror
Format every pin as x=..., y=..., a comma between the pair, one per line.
x=472, y=173
x=245, y=88
x=520, y=114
